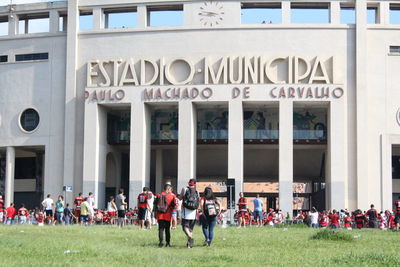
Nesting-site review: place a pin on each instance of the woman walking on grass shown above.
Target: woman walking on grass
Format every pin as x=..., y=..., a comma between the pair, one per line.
x=210, y=207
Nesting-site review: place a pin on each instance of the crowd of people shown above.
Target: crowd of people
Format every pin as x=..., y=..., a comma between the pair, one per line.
x=167, y=210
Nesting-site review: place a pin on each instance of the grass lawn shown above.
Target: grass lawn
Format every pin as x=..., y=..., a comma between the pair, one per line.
x=105, y=246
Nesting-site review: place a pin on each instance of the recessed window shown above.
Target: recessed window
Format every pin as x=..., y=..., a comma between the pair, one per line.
x=3, y=26
x=30, y=57
x=310, y=13
x=120, y=17
x=165, y=15
x=394, y=14
x=86, y=20
x=29, y=120
x=3, y=59
x=261, y=13
x=372, y=15
x=62, y=23
x=394, y=50
x=347, y=15
x=33, y=23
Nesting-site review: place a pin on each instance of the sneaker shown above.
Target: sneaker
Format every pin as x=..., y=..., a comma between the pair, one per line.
x=209, y=243
x=191, y=242
x=167, y=245
x=205, y=243
x=160, y=245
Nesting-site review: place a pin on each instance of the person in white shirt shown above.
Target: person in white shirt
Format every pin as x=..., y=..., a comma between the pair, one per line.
x=190, y=203
x=314, y=218
x=149, y=211
x=112, y=209
x=90, y=200
x=48, y=205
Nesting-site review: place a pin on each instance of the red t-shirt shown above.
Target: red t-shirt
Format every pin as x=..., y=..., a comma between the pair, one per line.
x=397, y=206
x=242, y=203
x=170, y=199
x=347, y=221
x=11, y=212
x=142, y=200
x=22, y=212
x=78, y=201
x=334, y=219
x=40, y=218
x=1, y=204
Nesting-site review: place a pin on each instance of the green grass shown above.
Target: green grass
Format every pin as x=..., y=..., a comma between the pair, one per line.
x=109, y=246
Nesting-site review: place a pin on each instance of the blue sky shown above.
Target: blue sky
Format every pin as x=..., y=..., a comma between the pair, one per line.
x=173, y=18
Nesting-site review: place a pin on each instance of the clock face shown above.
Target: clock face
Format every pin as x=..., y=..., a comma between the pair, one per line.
x=211, y=14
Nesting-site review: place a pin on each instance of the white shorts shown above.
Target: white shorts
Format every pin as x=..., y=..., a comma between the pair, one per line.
x=91, y=211
x=147, y=216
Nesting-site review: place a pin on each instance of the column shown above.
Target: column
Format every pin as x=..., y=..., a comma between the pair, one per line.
x=187, y=143
x=70, y=146
x=97, y=18
x=386, y=176
x=139, y=161
x=142, y=18
x=159, y=170
x=384, y=13
x=9, y=183
x=95, y=152
x=361, y=106
x=286, y=156
x=336, y=186
x=334, y=11
x=54, y=20
x=286, y=14
x=12, y=24
x=235, y=144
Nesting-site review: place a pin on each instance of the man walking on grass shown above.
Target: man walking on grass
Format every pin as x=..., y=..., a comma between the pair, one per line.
x=142, y=207
x=190, y=202
x=258, y=210
x=121, y=206
x=165, y=205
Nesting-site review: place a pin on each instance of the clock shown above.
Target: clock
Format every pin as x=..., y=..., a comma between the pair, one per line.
x=211, y=14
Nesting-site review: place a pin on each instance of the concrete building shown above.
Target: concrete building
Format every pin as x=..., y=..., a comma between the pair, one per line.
x=304, y=114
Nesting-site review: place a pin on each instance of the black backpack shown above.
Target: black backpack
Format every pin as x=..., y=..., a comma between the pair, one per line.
x=191, y=199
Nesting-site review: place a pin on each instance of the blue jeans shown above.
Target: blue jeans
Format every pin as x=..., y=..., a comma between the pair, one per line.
x=208, y=224
x=8, y=221
x=314, y=225
x=67, y=219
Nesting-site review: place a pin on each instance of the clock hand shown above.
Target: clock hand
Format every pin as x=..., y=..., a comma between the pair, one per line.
x=208, y=13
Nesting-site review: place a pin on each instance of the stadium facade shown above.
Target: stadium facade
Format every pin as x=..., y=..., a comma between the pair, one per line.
x=302, y=114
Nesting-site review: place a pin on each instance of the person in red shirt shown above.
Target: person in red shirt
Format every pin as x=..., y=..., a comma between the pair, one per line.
x=22, y=214
x=78, y=200
x=347, y=221
x=372, y=214
x=40, y=218
x=359, y=219
x=397, y=210
x=11, y=212
x=1, y=209
x=142, y=205
x=324, y=219
x=391, y=221
x=242, y=204
x=334, y=217
x=165, y=206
